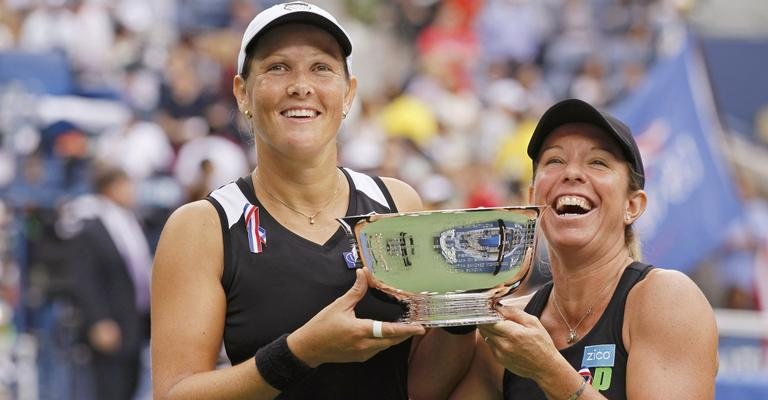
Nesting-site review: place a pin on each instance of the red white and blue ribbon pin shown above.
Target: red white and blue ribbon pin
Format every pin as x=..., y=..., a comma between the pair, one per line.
x=257, y=236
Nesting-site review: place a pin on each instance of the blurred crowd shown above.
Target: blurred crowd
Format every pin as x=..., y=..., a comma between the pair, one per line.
x=449, y=93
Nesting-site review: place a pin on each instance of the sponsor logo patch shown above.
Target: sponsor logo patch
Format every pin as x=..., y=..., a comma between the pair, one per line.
x=350, y=259
x=602, y=355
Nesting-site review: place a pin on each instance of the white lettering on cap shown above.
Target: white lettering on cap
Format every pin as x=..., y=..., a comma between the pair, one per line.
x=297, y=5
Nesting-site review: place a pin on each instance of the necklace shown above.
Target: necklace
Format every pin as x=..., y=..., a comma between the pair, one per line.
x=310, y=217
x=572, y=335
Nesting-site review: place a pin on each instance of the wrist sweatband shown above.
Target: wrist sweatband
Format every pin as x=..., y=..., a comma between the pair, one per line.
x=460, y=330
x=578, y=391
x=279, y=366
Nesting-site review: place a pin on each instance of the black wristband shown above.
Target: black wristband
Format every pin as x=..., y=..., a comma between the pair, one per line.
x=279, y=366
x=460, y=330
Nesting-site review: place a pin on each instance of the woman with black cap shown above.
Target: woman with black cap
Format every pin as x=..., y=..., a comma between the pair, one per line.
x=607, y=325
x=260, y=266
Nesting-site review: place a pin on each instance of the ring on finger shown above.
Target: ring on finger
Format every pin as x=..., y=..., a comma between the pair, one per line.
x=377, y=329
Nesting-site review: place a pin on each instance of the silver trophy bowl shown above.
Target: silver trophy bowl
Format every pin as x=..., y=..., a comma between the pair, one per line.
x=448, y=267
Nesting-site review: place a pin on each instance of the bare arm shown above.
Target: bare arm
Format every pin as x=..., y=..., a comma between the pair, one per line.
x=438, y=362
x=483, y=379
x=403, y=194
x=189, y=307
x=670, y=327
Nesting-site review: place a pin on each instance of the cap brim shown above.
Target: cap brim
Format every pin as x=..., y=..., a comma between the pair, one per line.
x=579, y=111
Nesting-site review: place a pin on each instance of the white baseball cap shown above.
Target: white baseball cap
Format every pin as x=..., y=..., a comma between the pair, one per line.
x=297, y=11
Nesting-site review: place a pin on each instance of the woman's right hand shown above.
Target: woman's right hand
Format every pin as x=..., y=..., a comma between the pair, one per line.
x=335, y=334
x=520, y=343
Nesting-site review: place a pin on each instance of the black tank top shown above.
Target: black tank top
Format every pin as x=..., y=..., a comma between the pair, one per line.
x=282, y=287
x=600, y=356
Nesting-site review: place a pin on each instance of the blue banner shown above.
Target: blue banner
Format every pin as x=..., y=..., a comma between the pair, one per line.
x=691, y=199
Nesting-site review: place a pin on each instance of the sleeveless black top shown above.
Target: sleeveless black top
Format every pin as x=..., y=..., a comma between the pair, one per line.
x=600, y=356
x=282, y=287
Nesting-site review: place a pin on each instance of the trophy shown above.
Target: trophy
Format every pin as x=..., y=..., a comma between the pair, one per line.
x=448, y=267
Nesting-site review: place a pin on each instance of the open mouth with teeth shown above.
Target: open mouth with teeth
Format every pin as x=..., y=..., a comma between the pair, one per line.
x=572, y=205
x=300, y=113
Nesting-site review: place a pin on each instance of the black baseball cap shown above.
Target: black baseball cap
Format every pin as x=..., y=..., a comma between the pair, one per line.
x=575, y=110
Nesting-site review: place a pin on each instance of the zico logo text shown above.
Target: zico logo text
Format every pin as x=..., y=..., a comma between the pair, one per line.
x=602, y=355
x=598, y=356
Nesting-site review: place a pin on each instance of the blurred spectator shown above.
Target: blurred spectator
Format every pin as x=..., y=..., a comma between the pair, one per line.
x=506, y=103
x=482, y=189
x=538, y=92
x=411, y=118
x=761, y=124
x=226, y=161
x=747, y=237
x=141, y=149
x=66, y=143
x=111, y=263
x=591, y=84
x=364, y=140
x=449, y=45
x=436, y=192
x=509, y=161
x=183, y=97
x=513, y=30
x=48, y=26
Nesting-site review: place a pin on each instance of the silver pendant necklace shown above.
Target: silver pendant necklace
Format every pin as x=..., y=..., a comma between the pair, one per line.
x=573, y=335
x=310, y=217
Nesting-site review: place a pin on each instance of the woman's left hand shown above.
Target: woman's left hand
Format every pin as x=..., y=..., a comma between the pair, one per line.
x=520, y=343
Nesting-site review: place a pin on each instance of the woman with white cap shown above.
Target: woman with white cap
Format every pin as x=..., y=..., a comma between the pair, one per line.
x=260, y=265
x=607, y=325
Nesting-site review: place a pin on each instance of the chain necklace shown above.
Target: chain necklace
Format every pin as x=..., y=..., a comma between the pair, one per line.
x=572, y=335
x=310, y=217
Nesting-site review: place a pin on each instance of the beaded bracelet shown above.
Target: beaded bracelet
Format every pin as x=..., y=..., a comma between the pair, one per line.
x=279, y=366
x=578, y=391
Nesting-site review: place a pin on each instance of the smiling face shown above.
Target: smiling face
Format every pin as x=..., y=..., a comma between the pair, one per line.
x=296, y=89
x=581, y=174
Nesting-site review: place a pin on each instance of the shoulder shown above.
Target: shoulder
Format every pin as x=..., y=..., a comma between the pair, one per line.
x=193, y=214
x=666, y=284
x=668, y=302
x=670, y=325
x=91, y=226
x=191, y=234
x=404, y=195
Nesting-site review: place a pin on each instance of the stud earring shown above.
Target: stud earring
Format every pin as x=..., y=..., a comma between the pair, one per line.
x=343, y=115
x=247, y=114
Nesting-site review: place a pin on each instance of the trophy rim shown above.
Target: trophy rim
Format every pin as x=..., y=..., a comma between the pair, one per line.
x=354, y=224
x=439, y=308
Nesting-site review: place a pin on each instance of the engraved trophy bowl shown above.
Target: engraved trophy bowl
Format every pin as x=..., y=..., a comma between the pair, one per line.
x=448, y=267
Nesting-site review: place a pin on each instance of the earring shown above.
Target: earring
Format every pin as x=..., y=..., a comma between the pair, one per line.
x=247, y=114
x=343, y=115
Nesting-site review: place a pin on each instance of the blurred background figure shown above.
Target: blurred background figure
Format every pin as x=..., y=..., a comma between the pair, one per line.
x=111, y=264
x=747, y=238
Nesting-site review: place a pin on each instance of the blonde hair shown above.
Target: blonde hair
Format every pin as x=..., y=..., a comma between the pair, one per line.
x=631, y=241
